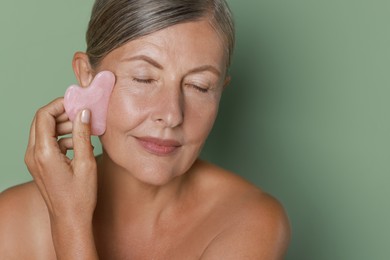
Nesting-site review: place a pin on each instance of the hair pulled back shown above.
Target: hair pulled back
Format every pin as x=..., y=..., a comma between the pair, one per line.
x=115, y=22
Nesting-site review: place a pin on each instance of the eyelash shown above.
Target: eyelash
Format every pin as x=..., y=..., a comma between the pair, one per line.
x=197, y=88
x=143, y=81
x=149, y=81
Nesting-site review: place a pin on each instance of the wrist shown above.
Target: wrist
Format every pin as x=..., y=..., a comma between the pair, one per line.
x=73, y=240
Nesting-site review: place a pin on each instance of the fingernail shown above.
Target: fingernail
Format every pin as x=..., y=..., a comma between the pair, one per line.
x=85, y=116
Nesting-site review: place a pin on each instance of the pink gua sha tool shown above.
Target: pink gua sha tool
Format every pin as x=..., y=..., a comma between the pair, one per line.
x=95, y=97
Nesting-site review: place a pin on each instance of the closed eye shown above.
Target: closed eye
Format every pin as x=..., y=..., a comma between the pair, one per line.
x=143, y=81
x=198, y=88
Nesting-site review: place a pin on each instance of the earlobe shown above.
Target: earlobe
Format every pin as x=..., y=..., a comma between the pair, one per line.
x=82, y=69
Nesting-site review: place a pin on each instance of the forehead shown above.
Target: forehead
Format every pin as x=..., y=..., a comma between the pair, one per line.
x=192, y=43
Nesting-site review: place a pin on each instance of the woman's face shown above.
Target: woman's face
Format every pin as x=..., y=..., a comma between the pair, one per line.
x=165, y=100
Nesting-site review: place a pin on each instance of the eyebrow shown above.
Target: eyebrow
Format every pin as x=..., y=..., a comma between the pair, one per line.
x=145, y=58
x=210, y=68
x=154, y=63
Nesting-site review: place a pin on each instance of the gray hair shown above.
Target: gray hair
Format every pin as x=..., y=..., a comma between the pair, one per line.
x=115, y=22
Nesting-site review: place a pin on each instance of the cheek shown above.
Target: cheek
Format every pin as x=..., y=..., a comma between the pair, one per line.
x=201, y=120
x=126, y=110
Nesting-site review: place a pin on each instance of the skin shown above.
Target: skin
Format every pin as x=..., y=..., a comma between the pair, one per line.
x=131, y=202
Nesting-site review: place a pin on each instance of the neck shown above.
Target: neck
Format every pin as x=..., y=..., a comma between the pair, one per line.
x=123, y=198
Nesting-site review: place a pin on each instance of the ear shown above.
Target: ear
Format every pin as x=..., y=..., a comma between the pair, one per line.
x=82, y=69
x=228, y=79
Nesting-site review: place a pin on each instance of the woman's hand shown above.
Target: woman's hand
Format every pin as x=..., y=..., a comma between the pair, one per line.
x=68, y=187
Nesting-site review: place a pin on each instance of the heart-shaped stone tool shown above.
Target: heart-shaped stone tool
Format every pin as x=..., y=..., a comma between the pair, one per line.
x=95, y=97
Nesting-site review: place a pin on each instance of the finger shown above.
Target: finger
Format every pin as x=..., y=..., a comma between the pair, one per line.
x=45, y=125
x=65, y=144
x=29, y=155
x=64, y=128
x=31, y=139
x=62, y=118
x=83, y=151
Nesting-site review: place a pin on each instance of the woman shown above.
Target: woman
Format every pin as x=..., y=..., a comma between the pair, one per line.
x=147, y=196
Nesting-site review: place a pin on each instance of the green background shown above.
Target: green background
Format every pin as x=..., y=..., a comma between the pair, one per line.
x=305, y=118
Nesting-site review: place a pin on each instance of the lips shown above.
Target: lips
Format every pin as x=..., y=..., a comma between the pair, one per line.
x=160, y=147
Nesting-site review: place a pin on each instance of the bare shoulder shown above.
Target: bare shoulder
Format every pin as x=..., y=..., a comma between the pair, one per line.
x=23, y=221
x=257, y=225
x=16, y=204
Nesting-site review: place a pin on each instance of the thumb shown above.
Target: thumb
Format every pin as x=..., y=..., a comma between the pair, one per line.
x=83, y=150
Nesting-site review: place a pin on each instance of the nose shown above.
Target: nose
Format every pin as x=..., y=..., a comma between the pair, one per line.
x=169, y=108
